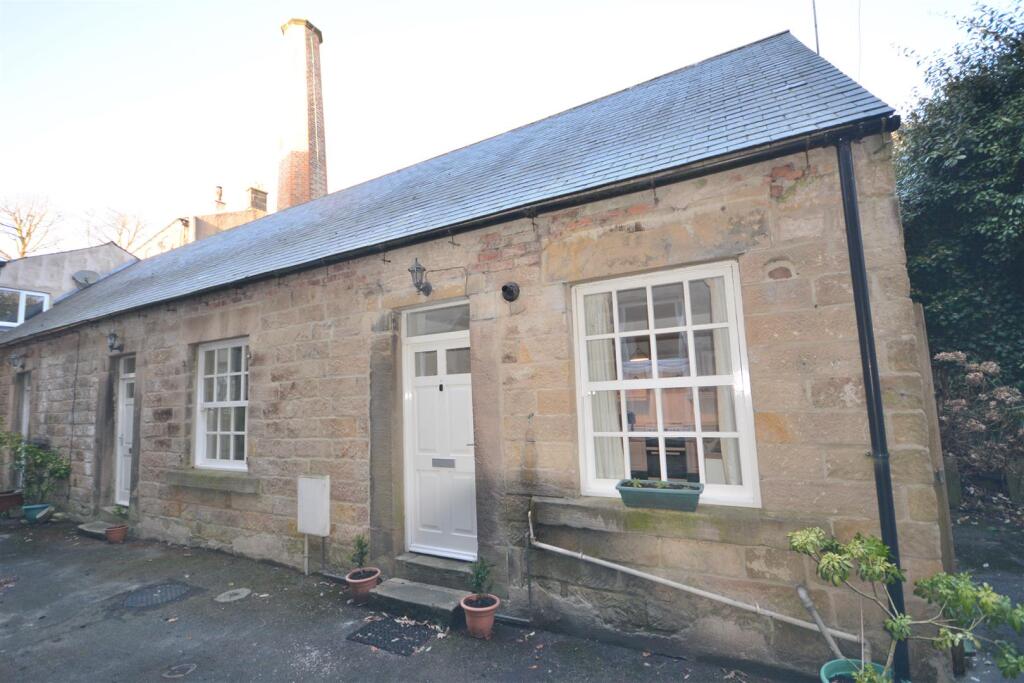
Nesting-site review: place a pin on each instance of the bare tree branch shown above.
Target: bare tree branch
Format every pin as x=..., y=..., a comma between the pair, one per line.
x=123, y=229
x=26, y=222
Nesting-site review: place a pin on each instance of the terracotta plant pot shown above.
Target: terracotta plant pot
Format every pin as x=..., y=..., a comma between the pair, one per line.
x=117, y=534
x=10, y=500
x=361, y=581
x=480, y=619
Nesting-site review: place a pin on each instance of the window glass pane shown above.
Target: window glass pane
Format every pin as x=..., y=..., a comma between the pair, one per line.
x=636, y=357
x=238, y=449
x=673, y=360
x=601, y=360
x=222, y=389
x=211, y=446
x=711, y=352
x=608, y=457
x=605, y=410
x=457, y=361
x=224, y=447
x=208, y=363
x=597, y=310
x=716, y=409
x=236, y=387
x=9, y=303
x=33, y=305
x=236, y=359
x=681, y=458
x=426, y=363
x=225, y=420
x=208, y=389
x=644, y=458
x=222, y=361
x=129, y=390
x=128, y=365
x=632, y=309
x=239, y=419
x=677, y=410
x=641, y=411
x=438, y=320
x=722, y=461
x=668, y=305
x=707, y=301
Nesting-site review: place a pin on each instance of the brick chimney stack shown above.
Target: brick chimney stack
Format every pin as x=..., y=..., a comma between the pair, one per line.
x=302, y=173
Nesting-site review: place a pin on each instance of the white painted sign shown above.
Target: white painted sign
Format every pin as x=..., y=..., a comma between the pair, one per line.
x=314, y=503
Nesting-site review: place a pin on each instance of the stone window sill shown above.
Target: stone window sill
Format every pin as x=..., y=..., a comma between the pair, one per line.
x=724, y=524
x=212, y=480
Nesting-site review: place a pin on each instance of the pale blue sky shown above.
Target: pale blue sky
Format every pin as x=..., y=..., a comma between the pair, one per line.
x=145, y=106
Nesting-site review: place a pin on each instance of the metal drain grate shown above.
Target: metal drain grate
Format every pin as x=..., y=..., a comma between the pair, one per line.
x=400, y=636
x=157, y=594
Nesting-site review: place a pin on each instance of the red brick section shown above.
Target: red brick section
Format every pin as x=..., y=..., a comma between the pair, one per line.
x=302, y=174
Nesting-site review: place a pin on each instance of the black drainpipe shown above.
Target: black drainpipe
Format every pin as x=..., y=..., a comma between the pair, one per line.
x=872, y=388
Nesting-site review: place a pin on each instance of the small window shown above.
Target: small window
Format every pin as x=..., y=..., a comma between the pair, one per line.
x=17, y=306
x=222, y=405
x=663, y=386
x=438, y=320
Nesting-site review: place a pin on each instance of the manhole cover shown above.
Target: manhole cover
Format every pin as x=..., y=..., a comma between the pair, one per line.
x=178, y=671
x=234, y=594
x=400, y=636
x=158, y=594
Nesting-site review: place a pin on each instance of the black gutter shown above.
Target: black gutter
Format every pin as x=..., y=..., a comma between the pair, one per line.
x=872, y=386
x=824, y=138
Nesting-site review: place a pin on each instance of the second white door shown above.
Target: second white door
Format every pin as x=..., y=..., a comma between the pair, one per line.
x=125, y=426
x=440, y=474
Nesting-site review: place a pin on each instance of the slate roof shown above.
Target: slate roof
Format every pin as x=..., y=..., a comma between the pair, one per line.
x=764, y=92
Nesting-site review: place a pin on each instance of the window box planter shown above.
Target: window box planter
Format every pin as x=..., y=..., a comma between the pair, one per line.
x=657, y=495
x=10, y=500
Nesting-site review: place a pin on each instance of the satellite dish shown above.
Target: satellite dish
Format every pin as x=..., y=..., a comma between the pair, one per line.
x=84, y=278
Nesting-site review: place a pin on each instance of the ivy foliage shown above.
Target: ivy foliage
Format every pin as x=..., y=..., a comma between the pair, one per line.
x=42, y=470
x=960, y=180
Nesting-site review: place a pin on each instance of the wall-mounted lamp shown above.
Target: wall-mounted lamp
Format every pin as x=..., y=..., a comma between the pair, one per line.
x=17, y=361
x=510, y=291
x=419, y=278
x=113, y=344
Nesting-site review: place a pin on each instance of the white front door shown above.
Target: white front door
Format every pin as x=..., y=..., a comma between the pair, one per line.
x=125, y=429
x=440, y=469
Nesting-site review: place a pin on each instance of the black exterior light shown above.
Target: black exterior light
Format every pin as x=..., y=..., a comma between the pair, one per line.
x=510, y=291
x=419, y=278
x=113, y=344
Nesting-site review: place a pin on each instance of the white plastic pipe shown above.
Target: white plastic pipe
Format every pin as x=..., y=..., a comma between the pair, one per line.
x=755, y=608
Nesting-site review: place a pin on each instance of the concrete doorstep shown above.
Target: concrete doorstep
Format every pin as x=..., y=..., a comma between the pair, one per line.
x=420, y=600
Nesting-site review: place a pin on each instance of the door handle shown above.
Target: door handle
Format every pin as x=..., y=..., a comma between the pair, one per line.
x=470, y=444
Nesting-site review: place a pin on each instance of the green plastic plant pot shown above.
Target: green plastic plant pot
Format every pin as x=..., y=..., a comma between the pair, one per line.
x=839, y=667
x=33, y=512
x=683, y=499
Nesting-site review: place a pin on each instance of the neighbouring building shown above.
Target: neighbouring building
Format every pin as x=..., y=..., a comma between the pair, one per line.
x=682, y=309
x=31, y=284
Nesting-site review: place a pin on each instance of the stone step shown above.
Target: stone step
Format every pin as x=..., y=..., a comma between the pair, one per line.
x=437, y=571
x=96, y=529
x=419, y=600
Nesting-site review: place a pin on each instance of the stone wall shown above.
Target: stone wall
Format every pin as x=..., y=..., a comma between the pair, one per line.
x=325, y=397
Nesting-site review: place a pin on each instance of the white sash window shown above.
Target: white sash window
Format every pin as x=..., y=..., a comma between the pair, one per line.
x=664, y=391
x=222, y=404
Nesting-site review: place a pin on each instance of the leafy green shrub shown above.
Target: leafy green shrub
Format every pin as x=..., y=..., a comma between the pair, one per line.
x=360, y=550
x=480, y=577
x=41, y=469
x=961, y=605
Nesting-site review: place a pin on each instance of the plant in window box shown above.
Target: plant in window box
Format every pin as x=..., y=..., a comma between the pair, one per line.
x=958, y=606
x=481, y=605
x=660, y=495
x=362, y=579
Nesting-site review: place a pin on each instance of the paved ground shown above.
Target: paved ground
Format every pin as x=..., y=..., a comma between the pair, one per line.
x=62, y=619
x=994, y=553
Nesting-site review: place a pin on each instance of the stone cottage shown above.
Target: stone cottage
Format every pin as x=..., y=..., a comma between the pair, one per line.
x=655, y=285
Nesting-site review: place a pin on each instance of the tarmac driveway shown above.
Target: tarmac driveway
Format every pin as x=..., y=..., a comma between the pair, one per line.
x=63, y=617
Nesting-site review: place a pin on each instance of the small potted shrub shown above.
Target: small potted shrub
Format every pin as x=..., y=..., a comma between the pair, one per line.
x=118, y=532
x=480, y=606
x=660, y=495
x=959, y=606
x=361, y=579
x=41, y=471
